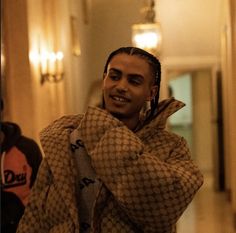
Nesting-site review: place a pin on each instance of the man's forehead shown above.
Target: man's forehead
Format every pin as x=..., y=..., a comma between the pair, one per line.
x=129, y=63
x=132, y=65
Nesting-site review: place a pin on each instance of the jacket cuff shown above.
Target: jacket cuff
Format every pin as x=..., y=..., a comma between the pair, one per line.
x=94, y=125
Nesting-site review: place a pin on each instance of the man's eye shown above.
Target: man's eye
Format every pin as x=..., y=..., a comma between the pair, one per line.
x=113, y=76
x=134, y=81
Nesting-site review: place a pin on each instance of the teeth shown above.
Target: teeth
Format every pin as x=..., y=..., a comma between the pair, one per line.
x=119, y=99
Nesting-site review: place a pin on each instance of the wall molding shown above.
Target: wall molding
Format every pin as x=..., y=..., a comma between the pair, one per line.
x=191, y=62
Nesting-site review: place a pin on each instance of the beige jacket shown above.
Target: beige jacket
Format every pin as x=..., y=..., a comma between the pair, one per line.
x=148, y=177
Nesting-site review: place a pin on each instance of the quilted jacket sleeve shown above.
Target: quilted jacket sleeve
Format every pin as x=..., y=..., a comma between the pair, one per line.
x=34, y=219
x=46, y=210
x=51, y=206
x=152, y=192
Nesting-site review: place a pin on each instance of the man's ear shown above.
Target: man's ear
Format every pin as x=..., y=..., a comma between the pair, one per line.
x=153, y=92
x=102, y=84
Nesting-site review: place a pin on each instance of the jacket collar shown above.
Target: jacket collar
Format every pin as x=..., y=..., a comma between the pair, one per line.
x=166, y=108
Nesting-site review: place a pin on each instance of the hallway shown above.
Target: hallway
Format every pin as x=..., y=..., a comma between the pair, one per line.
x=208, y=213
x=198, y=38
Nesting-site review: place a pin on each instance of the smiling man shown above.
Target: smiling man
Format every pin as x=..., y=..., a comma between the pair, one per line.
x=116, y=168
x=128, y=84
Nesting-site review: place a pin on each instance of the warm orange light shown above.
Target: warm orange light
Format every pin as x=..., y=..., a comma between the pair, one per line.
x=147, y=36
x=50, y=65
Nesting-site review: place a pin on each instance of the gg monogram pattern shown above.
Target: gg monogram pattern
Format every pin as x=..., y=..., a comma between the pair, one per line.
x=148, y=178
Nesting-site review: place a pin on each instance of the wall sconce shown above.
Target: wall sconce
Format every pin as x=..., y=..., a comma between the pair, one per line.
x=147, y=35
x=50, y=65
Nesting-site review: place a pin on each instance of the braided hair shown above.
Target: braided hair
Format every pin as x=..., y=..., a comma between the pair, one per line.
x=152, y=61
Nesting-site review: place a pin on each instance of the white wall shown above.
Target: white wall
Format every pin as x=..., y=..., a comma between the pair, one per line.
x=202, y=120
x=182, y=90
x=190, y=27
x=82, y=65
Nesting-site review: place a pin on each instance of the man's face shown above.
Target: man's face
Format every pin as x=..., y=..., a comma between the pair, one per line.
x=127, y=85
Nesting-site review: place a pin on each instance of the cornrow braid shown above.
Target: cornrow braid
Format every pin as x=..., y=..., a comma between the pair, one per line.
x=152, y=61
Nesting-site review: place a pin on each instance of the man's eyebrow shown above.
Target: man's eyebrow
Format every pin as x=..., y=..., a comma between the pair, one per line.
x=114, y=70
x=134, y=75
x=131, y=75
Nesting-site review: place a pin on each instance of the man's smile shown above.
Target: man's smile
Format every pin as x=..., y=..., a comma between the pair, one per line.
x=119, y=98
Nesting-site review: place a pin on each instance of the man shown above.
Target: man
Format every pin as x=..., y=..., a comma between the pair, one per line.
x=116, y=168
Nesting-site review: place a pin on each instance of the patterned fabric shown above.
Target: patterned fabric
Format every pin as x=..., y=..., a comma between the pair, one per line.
x=148, y=176
x=88, y=182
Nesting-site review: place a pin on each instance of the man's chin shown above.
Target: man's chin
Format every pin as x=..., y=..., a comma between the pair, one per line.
x=117, y=114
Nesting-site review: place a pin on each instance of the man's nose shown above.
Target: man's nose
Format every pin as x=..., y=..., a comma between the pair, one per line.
x=122, y=85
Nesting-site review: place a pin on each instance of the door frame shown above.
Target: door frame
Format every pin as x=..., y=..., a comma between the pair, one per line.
x=178, y=65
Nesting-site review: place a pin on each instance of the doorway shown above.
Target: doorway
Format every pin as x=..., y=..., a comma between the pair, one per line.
x=198, y=122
